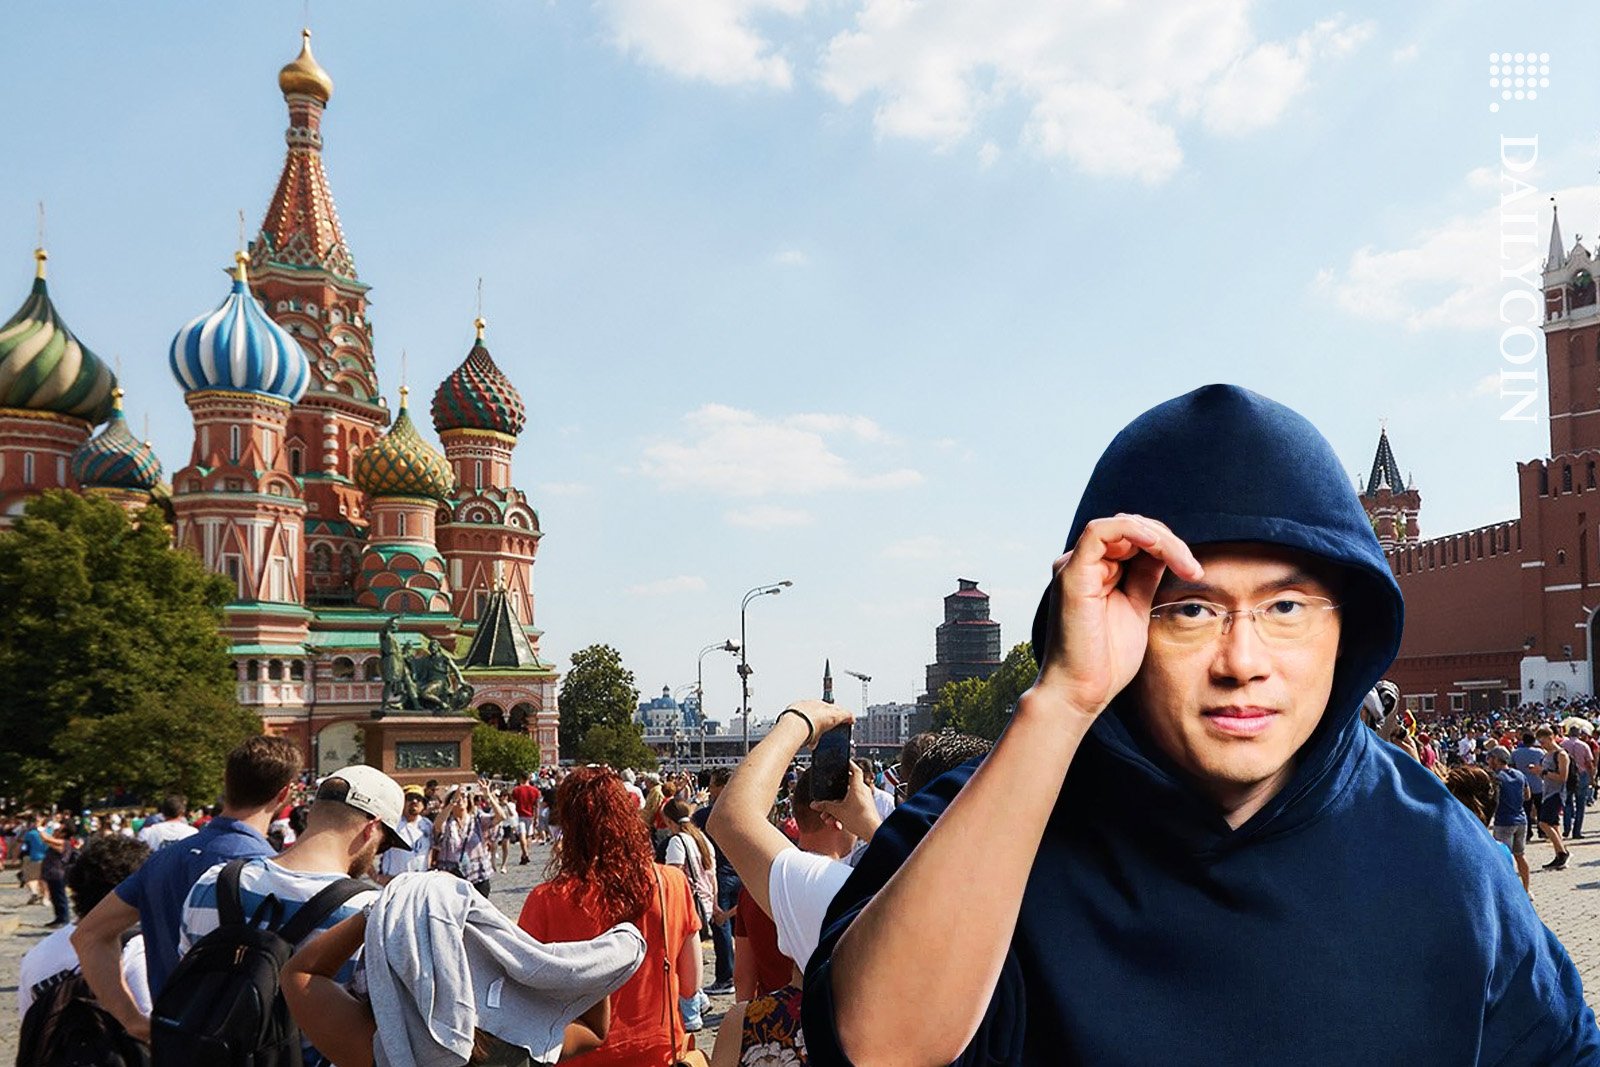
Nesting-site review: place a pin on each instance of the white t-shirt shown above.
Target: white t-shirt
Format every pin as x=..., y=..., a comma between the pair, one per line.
x=55, y=954
x=678, y=852
x=800, y=887
x=165, y=832
x=419, y=835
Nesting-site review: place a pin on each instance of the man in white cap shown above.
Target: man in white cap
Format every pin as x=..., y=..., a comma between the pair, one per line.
x=356, y=814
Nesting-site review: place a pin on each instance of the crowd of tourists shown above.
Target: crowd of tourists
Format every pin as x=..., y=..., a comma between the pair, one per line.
x=384, y=947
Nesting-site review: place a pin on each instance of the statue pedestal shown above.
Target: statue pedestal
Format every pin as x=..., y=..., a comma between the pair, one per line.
x=412, y=748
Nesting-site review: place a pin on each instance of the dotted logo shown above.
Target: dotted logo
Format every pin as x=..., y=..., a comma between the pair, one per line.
x=1517, y=76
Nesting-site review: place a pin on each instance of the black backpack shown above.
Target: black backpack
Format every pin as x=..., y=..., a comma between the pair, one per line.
x=66, y=1027
x=221, y=1006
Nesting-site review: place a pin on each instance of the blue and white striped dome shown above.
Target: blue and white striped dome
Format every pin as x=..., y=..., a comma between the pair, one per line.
x=239, y=348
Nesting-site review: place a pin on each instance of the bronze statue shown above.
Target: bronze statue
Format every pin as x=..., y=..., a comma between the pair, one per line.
x=431, y=681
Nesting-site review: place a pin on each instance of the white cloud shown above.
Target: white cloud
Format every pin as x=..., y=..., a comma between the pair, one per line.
x=768, y=517
x=737, y=453
x=921, y=548
x=791, y=257
x=1406, y=54
x=684, y=583
x=1447, y=275
x=1105, y=85
x=705, y=40
x=988, y=154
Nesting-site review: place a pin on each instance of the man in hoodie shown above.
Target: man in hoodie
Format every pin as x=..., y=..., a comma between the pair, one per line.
x=1205, y=856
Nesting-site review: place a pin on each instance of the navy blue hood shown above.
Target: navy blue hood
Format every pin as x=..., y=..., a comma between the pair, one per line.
x=1361, y=916
x=1224, y=464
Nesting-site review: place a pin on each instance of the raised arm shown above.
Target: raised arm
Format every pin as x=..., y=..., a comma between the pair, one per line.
x=738, y=822
x=336, y=1022
x=1101, y=598
x=588, y=1031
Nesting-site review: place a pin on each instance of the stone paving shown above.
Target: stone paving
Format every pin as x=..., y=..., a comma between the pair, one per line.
x=1567, y=900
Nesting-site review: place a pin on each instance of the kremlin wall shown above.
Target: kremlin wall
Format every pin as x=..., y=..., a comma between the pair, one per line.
x=330, y=512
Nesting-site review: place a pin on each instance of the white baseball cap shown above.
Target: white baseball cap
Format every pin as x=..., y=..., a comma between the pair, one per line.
x=370, y=790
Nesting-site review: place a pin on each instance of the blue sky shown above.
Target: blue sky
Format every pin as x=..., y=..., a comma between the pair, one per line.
x=848, y=292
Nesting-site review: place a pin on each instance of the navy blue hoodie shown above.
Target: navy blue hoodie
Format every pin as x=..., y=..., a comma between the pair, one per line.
x=1363, y=916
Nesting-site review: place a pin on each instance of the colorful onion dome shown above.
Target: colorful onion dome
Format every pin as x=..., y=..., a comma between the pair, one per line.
x=114, y=458
x=401, y=463
x=305, y=74
x=478, y=396
x=239, y=349
x=43, y=367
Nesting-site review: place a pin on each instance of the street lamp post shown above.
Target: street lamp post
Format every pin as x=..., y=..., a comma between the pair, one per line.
x=744, y=662
x=729, y=646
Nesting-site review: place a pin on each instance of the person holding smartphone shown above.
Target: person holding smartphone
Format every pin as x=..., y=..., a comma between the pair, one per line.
x=1186, y=848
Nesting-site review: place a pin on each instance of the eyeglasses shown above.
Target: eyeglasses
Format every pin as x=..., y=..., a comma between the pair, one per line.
x=1283, y=620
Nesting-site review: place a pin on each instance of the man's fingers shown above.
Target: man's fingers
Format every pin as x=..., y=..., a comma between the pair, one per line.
x=1121, y=537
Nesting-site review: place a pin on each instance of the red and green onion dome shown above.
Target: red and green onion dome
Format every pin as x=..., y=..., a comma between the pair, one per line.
x=115, y=459
x=44, y=368
x=401, y=463
x=478, y=396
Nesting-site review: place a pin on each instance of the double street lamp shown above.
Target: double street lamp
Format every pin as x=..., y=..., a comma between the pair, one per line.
x=744, y=663
x=729, y=645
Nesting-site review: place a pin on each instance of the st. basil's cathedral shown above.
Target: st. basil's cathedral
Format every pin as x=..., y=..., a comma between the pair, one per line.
x=329, y=515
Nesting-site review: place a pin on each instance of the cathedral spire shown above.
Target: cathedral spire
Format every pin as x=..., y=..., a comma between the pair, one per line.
x=301, y=230
x=1385, y=471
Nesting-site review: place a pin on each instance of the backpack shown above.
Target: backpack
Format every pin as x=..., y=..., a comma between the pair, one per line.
x=221, y=1006
x=66, y=1027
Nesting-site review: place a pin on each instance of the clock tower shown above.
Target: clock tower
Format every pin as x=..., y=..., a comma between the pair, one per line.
x=1572, y=345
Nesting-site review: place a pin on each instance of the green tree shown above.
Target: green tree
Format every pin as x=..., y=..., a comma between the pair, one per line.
x=620, y=746
x=1016, y=674
x=961, y=705
x=175, y=744
x=498, y=753
x=597, y=690
x=101, y=618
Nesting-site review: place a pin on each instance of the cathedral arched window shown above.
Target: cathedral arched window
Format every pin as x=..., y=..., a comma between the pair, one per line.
x=297, y=462
x=372, y=669
x=344, y=669
x=27, y=468
x=233, y=443
x=401, y=525
x=1566, y=478
x=275, y=670
x=321, y=559
x=297, y=671
x=1544, y=480
x=477, y=474
x=252, y=671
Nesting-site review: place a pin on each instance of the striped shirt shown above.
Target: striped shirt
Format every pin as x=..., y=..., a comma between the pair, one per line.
x=258, y=879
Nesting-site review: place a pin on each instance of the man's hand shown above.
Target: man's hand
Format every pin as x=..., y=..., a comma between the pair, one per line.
x=857, y=812
x=138, y=1028
x=1101, y=598
x=823, y=716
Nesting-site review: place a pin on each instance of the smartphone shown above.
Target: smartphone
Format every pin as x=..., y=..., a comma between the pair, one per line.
x=830, y=764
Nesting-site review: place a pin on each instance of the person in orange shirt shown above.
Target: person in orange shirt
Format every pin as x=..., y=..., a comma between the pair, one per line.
x=605, y=874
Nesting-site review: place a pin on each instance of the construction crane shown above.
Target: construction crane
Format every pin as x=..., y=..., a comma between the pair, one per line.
x=864, y=679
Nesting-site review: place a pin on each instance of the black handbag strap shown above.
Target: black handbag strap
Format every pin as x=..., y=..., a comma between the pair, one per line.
x=319, y=907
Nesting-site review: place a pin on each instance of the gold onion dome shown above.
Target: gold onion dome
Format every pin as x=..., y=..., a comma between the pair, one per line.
x=401, y=463
x=305, y=75
x=43, y=367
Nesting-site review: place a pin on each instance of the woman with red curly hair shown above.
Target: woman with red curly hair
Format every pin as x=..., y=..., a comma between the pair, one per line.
x=603, y=872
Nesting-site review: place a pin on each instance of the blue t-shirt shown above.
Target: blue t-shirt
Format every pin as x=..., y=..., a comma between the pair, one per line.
x=1510, y=810
x=33, y=846
x=159, y=887
x=1527, y=760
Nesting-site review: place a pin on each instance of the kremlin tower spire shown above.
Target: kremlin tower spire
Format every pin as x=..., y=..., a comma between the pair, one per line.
x=1390, y=502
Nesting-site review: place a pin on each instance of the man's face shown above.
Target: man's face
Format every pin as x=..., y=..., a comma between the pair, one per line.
x=1232, y=712
x=1547, y=743
x=413, y=807
x=371, y=843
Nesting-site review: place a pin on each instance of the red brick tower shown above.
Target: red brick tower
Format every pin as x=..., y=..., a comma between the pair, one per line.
x=1572, y=346
x=303, y=273
x=1391, y=503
